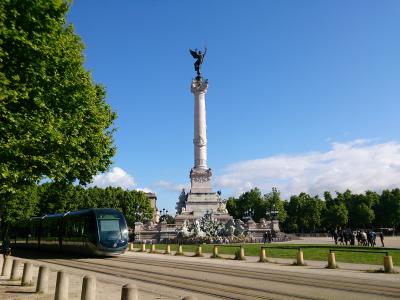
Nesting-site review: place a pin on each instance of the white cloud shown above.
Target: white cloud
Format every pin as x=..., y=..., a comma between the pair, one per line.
x=357, y=165
x=117, y=177
x=145, y=190
x=169, y=186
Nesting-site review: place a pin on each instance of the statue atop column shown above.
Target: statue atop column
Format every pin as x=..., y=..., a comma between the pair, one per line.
x=199, y=56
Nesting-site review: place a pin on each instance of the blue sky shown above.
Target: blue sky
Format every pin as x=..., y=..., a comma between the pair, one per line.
x=303, y=95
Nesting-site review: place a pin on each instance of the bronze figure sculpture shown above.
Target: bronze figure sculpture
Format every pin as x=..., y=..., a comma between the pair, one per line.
x=199, y=56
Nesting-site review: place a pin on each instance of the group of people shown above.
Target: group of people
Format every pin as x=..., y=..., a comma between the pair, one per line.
x=363, y=237
x=269, y=236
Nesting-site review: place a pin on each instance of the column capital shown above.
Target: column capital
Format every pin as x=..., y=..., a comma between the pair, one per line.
x=199, y=86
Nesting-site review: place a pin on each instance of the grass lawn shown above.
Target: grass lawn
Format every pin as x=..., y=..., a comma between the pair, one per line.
x=311, y=252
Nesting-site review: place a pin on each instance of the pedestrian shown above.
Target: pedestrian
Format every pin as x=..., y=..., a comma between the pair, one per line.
x=5, y=247
x=269, y=237
x=265, y=237
x=381, y=237
x=335, y=236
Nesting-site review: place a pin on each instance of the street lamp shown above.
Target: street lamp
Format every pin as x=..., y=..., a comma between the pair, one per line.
x=163, y=217
x=163, y=214
x=248, y=214
x=272, y=213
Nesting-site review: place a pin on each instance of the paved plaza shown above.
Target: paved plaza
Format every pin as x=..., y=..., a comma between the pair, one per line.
x=161, y=276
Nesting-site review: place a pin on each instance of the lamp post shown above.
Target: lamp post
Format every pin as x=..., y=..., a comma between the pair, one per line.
x=137, y=215
x=272, y=213
x=248, y=214
x=163, y=217
x=163, y=214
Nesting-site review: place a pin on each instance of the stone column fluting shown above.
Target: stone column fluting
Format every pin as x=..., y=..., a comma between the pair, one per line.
x=199, y=89
x=200, y=174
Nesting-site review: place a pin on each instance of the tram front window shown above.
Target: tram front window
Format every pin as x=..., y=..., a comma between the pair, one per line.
x=112, y=229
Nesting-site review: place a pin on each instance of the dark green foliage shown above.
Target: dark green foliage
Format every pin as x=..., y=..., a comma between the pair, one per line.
x=54, y=121
x=306, y=214
x=56, y=197
x=387, y=210
x=261, y=205
x=336, y=214
x=167, y=218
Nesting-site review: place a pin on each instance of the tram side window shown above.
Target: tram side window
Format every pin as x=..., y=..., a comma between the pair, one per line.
x=34, y=231
x=50, y=228
x=76, y=227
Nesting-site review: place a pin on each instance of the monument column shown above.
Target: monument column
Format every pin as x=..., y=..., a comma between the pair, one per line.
x=201, y=199
x=199, y=89
x=200, y=174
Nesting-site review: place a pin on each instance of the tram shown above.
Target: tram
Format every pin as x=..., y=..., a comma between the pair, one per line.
x=97, y=231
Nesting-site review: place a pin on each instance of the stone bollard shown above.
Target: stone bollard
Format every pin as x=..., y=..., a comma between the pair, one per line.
x=153, y=248
x=189, y=298
x=7, y=264
x=263, y=255
x=388, y=264
x=88, y=288
x=42, y=285
x=215, y=252
x=130, y=247
x=1, y=263
x=27, y=274
x=332, y=261
x=15, y=271
x=241, y=254
x=167, y=249
x=300, y=258
x=180, y=250
x=143, y=249
x=62, y=286
x=129, y=292
x=199, y=251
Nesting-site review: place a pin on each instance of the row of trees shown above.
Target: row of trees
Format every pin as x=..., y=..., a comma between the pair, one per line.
x=306, y=213
x=50, y=198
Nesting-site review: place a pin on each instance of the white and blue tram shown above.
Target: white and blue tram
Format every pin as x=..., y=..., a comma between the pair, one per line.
x=97, y=231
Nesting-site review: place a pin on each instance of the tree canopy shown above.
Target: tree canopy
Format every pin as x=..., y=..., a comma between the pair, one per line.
x=54, y=121
x=260, y=206
x=305, y=213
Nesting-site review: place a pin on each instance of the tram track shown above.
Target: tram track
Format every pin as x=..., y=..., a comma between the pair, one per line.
x=335, y=282
x=166, y=273
x=206, y=287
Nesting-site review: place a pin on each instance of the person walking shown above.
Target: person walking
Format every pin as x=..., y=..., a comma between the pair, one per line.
x=335, y=236
x=5, y=247
x=381, y=237
x=265, y=237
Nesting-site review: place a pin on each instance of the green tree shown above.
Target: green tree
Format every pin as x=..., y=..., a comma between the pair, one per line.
x=304, y=213
x=273, y=202
x=251, y=200
x=54, y=121
x=231, y=206
x=136, y=207
x=167, y=218
x=387, y=210
x=20, y=205
x=336, y=214
x=359, y=206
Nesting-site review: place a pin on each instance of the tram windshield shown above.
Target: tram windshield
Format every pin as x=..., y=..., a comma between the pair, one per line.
x=112, y=227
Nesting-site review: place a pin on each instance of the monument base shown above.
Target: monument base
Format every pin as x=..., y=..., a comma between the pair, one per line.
x=198, y=204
